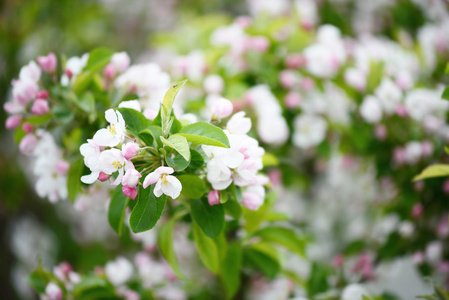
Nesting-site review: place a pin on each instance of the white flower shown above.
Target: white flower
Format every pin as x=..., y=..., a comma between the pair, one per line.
x=253, y=197
x=30, y=72
x=434, y=252
x=91, y=153
x=131, y=178
x=74, y=66
x=120, y=61
x=389, y=95
x=113, y=160
x=114, y=133
x=165, y=183
x=356, y=78
x=213, y=84
x=310, y=131
x=219, y=165
x=133, y=104
x=119, y=271
x=371, y=110
x=238, y=123
x=421, y=103
x=53, y=291
x=221, y=108
x=353, y=292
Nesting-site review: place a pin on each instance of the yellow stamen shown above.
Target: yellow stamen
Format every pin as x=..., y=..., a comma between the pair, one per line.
x=164, y=179
x=112, y=129
x=116, y=164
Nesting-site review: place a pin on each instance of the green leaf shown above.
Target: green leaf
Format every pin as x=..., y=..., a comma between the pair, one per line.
x=135, y=121
x=177, y=162
x=167, y=105
x=151, y=134
x=98, y=59
x=117, y=209
x=233, y=208
x=269, y=160
x=209, y=218
x=74, y=179
x=206, y=134
x=93, y=287
x=230, y=270
x=63, y=114
x=196, y=160
x=445, y=94
x=284, y=237
x=87, y=103
x=262, y=261
x=165, y=243
x=178, y=143
x=39, y=279
x=147, y=211
x=207, y=249
x=193, y=187
x=437, y=170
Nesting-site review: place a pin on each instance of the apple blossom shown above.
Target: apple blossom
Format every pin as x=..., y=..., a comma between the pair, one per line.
x=165, y=183
x=40, y=107
x=42, y=94
x=253, y=197
x=113, y=160
x=48, y=63
x=310, y=131
x=213, y=197
x=129, y=191
x=221, y=160
x=13, y=107
x=129, y=150
x=23, y=91
x=239, y=123
x=134, y=104
x=221, y=108
x=13, y=122
x=119, y=271
x=91, y=152
x=389, y=95
x=120, y=61
x=30, y=72
x=371, y=109
x=28, y=144
x=53, y=291
x=213, y=84
x=131, y=178
x=115, y=132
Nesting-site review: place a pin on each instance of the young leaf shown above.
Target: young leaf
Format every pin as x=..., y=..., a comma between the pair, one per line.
x=167, y=104
x=196, y=160
x=178, y=143
x=230, y=270
x=193, y=186
x=445, y=94
x=135, y=121
x=165, y=243
x=93, y=287
x=150, y=134
x=177, y=162
x=147, y=211
x=39, y=279
x=206, y=134
x=117, y=208
x=207, y=249
x=269, y=266
x=283, y=236
x=209, y=218
x=437, y=170
x=74, y=179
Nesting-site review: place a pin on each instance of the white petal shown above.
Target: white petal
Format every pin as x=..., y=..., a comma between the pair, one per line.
x=111, y=116
x=88, y=179
x=151, y=179
x=233, y=158
x=158, y=189
x=119, y=177
x=166, y=170
x=174, y=186
x=104, y=138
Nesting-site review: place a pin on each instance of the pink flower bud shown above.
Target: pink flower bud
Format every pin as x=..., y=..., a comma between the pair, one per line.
x=131, y=178
x=427, y=148
x=23, y=91
x=132, y=295
x=120, y=61
x=62, y=167
x=129, y=150
x=446, y=187
x=48, y=63
x=295, y=61
x=27, y=127
x=418, y=257
x=275, y=176
x=40, y=107
x=292, y=100
x=43, y=94
x=13, y=107
x=221, y=108
x=13, y=122
x=68, y=73
x=103, y=177
x=288, y=79
x=307, y=84
x=213, y=197
x=417, y=210
x=401, y=111
x=253, y=197
x=259, y=43
x=129, y=191
x=381, y=132
x=338, y=260
x=243, y=21
x=27, y=144
x=399, y=155
x=109, y=71
x=53, y=291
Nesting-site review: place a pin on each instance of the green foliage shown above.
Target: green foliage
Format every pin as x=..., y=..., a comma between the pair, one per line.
x=179, y=144
x=166, y=107
x=135, y=121
x=206, y=134
x=437, y=170
x=177, y=162
x=73, y=179
x=283, y=236
x=92, y=288
x=147, y=211
x=165, y=243
x=207, y=249
x=230, y=269
x=39, y=279
x=262, y=258
x=193, y=187
x=209, y=218
x=117, y=209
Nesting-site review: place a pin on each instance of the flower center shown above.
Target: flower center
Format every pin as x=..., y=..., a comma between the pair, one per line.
x=116, y=164
x=112, y=129
x=164, y=179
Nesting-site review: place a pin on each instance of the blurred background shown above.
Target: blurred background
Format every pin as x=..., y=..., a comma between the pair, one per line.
x=32, y=229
